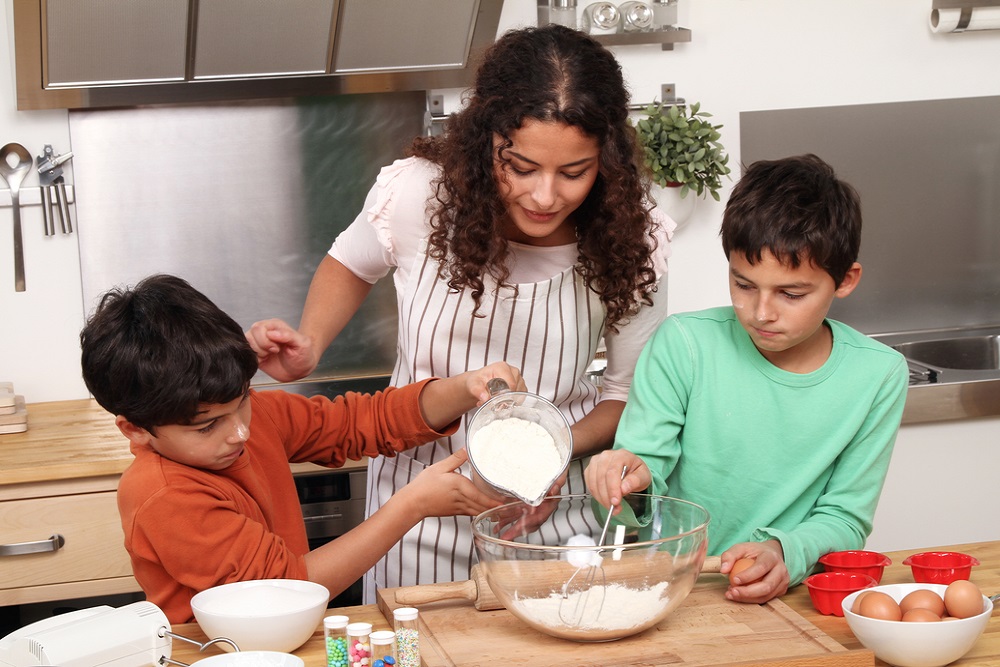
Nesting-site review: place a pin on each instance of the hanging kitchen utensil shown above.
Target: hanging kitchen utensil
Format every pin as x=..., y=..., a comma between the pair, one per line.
x=53, y=187
x=517, y=463
x=14, y=175
x=577, y=598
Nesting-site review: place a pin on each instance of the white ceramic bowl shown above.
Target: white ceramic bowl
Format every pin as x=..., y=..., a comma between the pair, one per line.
x=251, y=659
x=916, y=644
x=263, y=615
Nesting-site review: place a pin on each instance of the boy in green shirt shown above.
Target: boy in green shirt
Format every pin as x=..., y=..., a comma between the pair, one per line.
x=776, y=419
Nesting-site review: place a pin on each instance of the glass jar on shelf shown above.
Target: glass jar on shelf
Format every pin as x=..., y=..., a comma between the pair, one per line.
x=600, y=18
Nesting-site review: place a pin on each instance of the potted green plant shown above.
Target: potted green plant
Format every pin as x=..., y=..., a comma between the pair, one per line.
x=682, y=148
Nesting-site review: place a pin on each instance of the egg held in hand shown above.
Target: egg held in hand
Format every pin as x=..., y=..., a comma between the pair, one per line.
x=739, y=566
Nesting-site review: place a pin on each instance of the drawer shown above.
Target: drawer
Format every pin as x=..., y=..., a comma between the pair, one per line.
x=93, y=548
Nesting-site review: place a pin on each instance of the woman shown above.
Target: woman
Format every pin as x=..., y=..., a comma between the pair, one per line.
x=521, y=234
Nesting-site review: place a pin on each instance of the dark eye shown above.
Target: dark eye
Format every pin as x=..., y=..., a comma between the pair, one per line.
x=208, y=427
x=742, y=286
x=793, y=297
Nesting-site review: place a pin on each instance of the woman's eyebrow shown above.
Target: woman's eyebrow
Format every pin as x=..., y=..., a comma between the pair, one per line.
x=562, y=166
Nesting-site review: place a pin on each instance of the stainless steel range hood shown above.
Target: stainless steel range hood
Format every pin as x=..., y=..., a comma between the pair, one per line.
x=109, y=53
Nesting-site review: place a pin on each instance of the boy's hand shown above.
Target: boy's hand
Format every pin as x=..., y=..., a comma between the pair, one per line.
x=604, y=476
x=282, y=352
x=766, y=579
x=442, y=490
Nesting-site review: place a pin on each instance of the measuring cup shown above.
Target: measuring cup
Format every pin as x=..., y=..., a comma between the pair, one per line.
x=506, y=405
x=13, y=175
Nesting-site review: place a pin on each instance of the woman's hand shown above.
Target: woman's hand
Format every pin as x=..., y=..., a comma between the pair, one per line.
x=282, y=352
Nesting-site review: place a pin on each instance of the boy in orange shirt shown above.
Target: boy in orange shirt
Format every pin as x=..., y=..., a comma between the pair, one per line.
x=207, y=500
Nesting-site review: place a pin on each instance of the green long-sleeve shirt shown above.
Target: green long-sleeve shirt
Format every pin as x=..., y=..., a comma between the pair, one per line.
x=770, y=454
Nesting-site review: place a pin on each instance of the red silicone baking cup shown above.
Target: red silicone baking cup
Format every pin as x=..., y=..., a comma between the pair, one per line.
x=871, y=563
x=940, y=567
x=827, y=590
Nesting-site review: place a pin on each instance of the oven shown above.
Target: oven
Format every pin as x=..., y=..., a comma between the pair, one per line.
x=333, y=502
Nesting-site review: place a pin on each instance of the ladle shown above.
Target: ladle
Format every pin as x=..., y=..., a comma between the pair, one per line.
x=14, y=175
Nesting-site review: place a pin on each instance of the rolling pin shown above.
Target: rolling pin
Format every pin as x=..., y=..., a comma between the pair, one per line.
x=478, y=591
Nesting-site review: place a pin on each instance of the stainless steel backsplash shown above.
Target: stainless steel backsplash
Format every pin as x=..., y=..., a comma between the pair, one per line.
x=242, y=200
x=928, y=173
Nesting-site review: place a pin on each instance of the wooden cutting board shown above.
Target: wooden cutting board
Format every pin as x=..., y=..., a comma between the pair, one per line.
x=705, y=631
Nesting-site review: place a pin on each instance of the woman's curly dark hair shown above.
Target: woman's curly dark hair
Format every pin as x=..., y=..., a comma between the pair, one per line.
x=551, y=73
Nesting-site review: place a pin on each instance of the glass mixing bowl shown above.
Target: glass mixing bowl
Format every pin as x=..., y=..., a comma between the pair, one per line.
x=540, y=564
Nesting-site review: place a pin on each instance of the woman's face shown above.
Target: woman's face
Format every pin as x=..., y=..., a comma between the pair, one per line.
x=550, y=170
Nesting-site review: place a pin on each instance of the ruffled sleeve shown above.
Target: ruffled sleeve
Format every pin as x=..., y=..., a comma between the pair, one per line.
x=387, y=232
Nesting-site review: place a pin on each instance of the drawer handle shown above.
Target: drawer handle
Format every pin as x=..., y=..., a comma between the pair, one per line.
x=54, y=543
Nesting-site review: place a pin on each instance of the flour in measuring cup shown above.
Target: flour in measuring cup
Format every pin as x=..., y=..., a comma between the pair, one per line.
x=517, y=455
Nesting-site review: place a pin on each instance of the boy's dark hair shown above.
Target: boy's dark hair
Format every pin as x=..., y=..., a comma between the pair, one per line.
x=153, y=353
x=797, y=209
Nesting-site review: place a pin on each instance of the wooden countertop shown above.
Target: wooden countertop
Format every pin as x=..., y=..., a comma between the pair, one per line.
x=69, y=440
x=985, y=653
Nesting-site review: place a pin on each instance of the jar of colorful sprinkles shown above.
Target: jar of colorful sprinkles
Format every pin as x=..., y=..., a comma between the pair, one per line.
x=407, y=637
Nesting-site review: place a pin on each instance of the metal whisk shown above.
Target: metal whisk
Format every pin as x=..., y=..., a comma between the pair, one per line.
x=572, y=612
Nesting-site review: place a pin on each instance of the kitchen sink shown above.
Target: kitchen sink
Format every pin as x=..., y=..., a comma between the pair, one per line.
x=954, y=372
x=973, y=353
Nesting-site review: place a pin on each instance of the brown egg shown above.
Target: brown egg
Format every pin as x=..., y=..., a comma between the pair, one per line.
x=739, y=566
x=922, y=599
x=920, y=615
x=881, y=606
x=963, y=599
x=856, y=608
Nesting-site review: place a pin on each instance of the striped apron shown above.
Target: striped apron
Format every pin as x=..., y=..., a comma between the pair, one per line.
x=550, y=330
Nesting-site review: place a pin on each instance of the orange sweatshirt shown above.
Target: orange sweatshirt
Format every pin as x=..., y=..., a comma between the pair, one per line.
x=188, y=529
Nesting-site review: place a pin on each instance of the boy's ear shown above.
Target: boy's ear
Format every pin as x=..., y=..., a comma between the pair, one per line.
x=135, y=434
x=850, y=281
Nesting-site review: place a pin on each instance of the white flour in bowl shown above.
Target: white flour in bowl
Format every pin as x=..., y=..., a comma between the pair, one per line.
x=608, y=608
x=517, y=455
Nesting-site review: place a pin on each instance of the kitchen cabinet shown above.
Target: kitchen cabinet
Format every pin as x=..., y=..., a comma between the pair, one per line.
x=59, y=478
x=89, y=559
x=106, y=53
x=940, y=485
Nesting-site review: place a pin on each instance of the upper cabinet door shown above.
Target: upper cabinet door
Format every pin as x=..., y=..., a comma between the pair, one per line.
x=262, y=37
x=103, y=53
x=101, y=42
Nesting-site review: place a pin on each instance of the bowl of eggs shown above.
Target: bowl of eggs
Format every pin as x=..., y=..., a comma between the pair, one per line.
x=919, y=624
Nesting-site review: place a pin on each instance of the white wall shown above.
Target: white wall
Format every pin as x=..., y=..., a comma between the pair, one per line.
x=745, y=55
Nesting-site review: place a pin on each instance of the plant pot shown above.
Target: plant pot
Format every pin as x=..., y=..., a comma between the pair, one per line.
x=669, y=201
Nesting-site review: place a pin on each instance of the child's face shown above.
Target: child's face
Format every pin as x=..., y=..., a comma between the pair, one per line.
x=214, y=441
x=783, y=308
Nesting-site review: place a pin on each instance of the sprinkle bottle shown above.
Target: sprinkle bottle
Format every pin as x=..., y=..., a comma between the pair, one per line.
x=335, y=636
x=359, y=646
x=407, y=637
x=383, y=648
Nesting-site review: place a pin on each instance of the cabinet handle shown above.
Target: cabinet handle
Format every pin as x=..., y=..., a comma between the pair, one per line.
x=54, y=543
